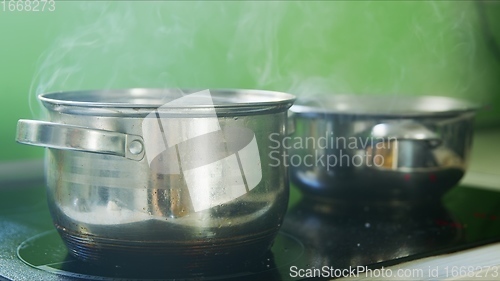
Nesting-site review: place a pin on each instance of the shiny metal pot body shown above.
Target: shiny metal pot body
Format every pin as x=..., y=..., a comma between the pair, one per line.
x=111, y=203
x=380, y=149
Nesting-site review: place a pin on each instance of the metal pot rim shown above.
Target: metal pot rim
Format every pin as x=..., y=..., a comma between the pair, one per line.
x=383, y=106
x=139, y=101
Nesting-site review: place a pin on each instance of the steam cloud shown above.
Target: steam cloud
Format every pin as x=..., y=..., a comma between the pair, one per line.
x=307, y=48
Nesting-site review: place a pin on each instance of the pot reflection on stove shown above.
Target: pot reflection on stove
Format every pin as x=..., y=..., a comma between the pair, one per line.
x=146, y=271
x=366, y=235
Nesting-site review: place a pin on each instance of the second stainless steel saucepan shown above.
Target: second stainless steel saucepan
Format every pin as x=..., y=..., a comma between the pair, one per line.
x=380, y=148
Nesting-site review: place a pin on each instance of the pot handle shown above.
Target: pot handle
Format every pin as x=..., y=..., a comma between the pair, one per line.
x=69, y=137
x=403, y=130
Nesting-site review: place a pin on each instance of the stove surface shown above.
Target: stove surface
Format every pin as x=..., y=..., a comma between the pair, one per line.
x=336, y=235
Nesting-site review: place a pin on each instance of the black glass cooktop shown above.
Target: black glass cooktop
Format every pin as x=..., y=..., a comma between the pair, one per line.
x=337, y=235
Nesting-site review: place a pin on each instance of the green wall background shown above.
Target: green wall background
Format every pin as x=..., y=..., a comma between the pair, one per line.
x=306, y=48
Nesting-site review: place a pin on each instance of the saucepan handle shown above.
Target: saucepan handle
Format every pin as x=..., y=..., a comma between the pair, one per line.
x=69, y=137
x=403, y=130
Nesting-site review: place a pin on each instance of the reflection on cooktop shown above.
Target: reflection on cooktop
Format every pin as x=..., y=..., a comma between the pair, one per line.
x=365, y=235
x=314, y=234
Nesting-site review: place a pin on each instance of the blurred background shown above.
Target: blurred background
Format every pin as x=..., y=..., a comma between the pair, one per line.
x=447, y=48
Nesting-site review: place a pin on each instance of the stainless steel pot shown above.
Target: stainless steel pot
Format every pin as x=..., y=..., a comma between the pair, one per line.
x=380, y=148
x=163, y=175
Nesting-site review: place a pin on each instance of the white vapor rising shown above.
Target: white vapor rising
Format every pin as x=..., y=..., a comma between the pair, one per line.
x=306, y=48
